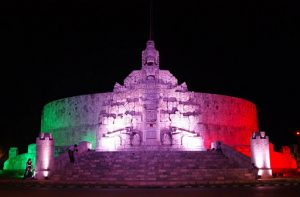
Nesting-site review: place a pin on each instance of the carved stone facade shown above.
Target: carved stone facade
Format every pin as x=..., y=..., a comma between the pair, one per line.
x=150, y=111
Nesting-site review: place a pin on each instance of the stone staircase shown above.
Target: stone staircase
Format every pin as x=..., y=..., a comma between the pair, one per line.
x=153, y=168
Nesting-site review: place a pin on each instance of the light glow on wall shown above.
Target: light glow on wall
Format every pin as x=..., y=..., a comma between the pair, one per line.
x=260, y=153
x=110, y=143
x=283, y=159
x=262, y=159
x=264, y=172
x=116, y=124
x=17, y=162
x=192, y=143
x=46, y=173
x=90, y=137
x=44, y=155
x=180, y=122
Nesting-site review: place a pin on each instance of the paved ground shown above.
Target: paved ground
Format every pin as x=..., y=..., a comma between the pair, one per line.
x=46, y=188
x=41, y=184
x=233, y=191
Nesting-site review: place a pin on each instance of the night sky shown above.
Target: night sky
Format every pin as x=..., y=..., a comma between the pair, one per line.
x=55, y=49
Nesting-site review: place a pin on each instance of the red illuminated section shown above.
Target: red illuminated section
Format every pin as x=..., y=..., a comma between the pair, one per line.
x=297, y=133
x=232, y=121
x=280, y=161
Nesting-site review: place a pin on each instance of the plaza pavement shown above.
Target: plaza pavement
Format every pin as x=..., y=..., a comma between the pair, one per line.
x=49, y=184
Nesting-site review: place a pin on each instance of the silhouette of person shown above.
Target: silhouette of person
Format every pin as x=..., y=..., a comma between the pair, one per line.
x=28, y=169
x=71, y=151
x=219, y=149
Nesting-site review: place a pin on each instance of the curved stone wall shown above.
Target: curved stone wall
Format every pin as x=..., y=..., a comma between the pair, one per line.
x=73, y=119
x=228, y=119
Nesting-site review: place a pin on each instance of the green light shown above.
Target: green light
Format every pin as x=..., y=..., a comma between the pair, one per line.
x=13, y=151
x=69, y=121
x=12, y=174
x=31, y=149
x=55, y=116
x=18, y=162
x=90, y=137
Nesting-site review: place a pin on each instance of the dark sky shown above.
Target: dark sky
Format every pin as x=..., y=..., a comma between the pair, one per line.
x=55, y=49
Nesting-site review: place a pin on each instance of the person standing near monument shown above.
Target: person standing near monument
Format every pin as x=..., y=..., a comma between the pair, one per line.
x=219, y=148
x=28, y=169
x=71, y=151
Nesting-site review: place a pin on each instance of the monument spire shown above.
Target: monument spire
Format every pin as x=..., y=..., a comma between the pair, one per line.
x=150, y=56
x=151, y=20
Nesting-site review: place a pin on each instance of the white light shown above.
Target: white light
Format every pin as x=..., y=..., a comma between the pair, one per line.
x=192, y=143
x=111, y=143
x=180, y=122
x=46, y=173
x=265, y=172
x=262, y=157
x=115, y=124
x=260, y=153
x=46, y=158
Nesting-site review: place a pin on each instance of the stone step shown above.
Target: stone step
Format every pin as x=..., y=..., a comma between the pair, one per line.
x=153, y=166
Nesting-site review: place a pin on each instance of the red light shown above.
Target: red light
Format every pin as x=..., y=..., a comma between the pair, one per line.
x=298, y=133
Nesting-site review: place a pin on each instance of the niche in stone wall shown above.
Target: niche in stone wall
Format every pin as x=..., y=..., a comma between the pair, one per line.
x=150, y=78
x=151, y=116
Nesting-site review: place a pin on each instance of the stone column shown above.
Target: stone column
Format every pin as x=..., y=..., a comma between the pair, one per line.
x=44, y=156
x=260, y=153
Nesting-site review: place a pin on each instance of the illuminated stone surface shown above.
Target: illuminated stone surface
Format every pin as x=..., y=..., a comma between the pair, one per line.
x=260, y=153
x=282, y=159
x=44, y=156
x=155, y=129
x=154, y=168
x=17, y=161
x=150, y=111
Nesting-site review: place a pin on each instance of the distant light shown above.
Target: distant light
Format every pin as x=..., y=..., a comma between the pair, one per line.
x=298, y=133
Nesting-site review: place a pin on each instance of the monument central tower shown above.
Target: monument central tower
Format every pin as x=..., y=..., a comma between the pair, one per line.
x=150, y=66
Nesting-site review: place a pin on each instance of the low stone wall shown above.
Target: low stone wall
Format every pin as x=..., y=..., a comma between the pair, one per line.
x=236, y=156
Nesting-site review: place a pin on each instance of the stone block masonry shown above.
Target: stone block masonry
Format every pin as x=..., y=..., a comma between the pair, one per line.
x=150, y=168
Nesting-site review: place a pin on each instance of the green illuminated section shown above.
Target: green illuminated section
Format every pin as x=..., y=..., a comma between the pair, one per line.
x=7, y=174
x=73, y=120
x=58, y=114
x=90, y=137
x=18, y=162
